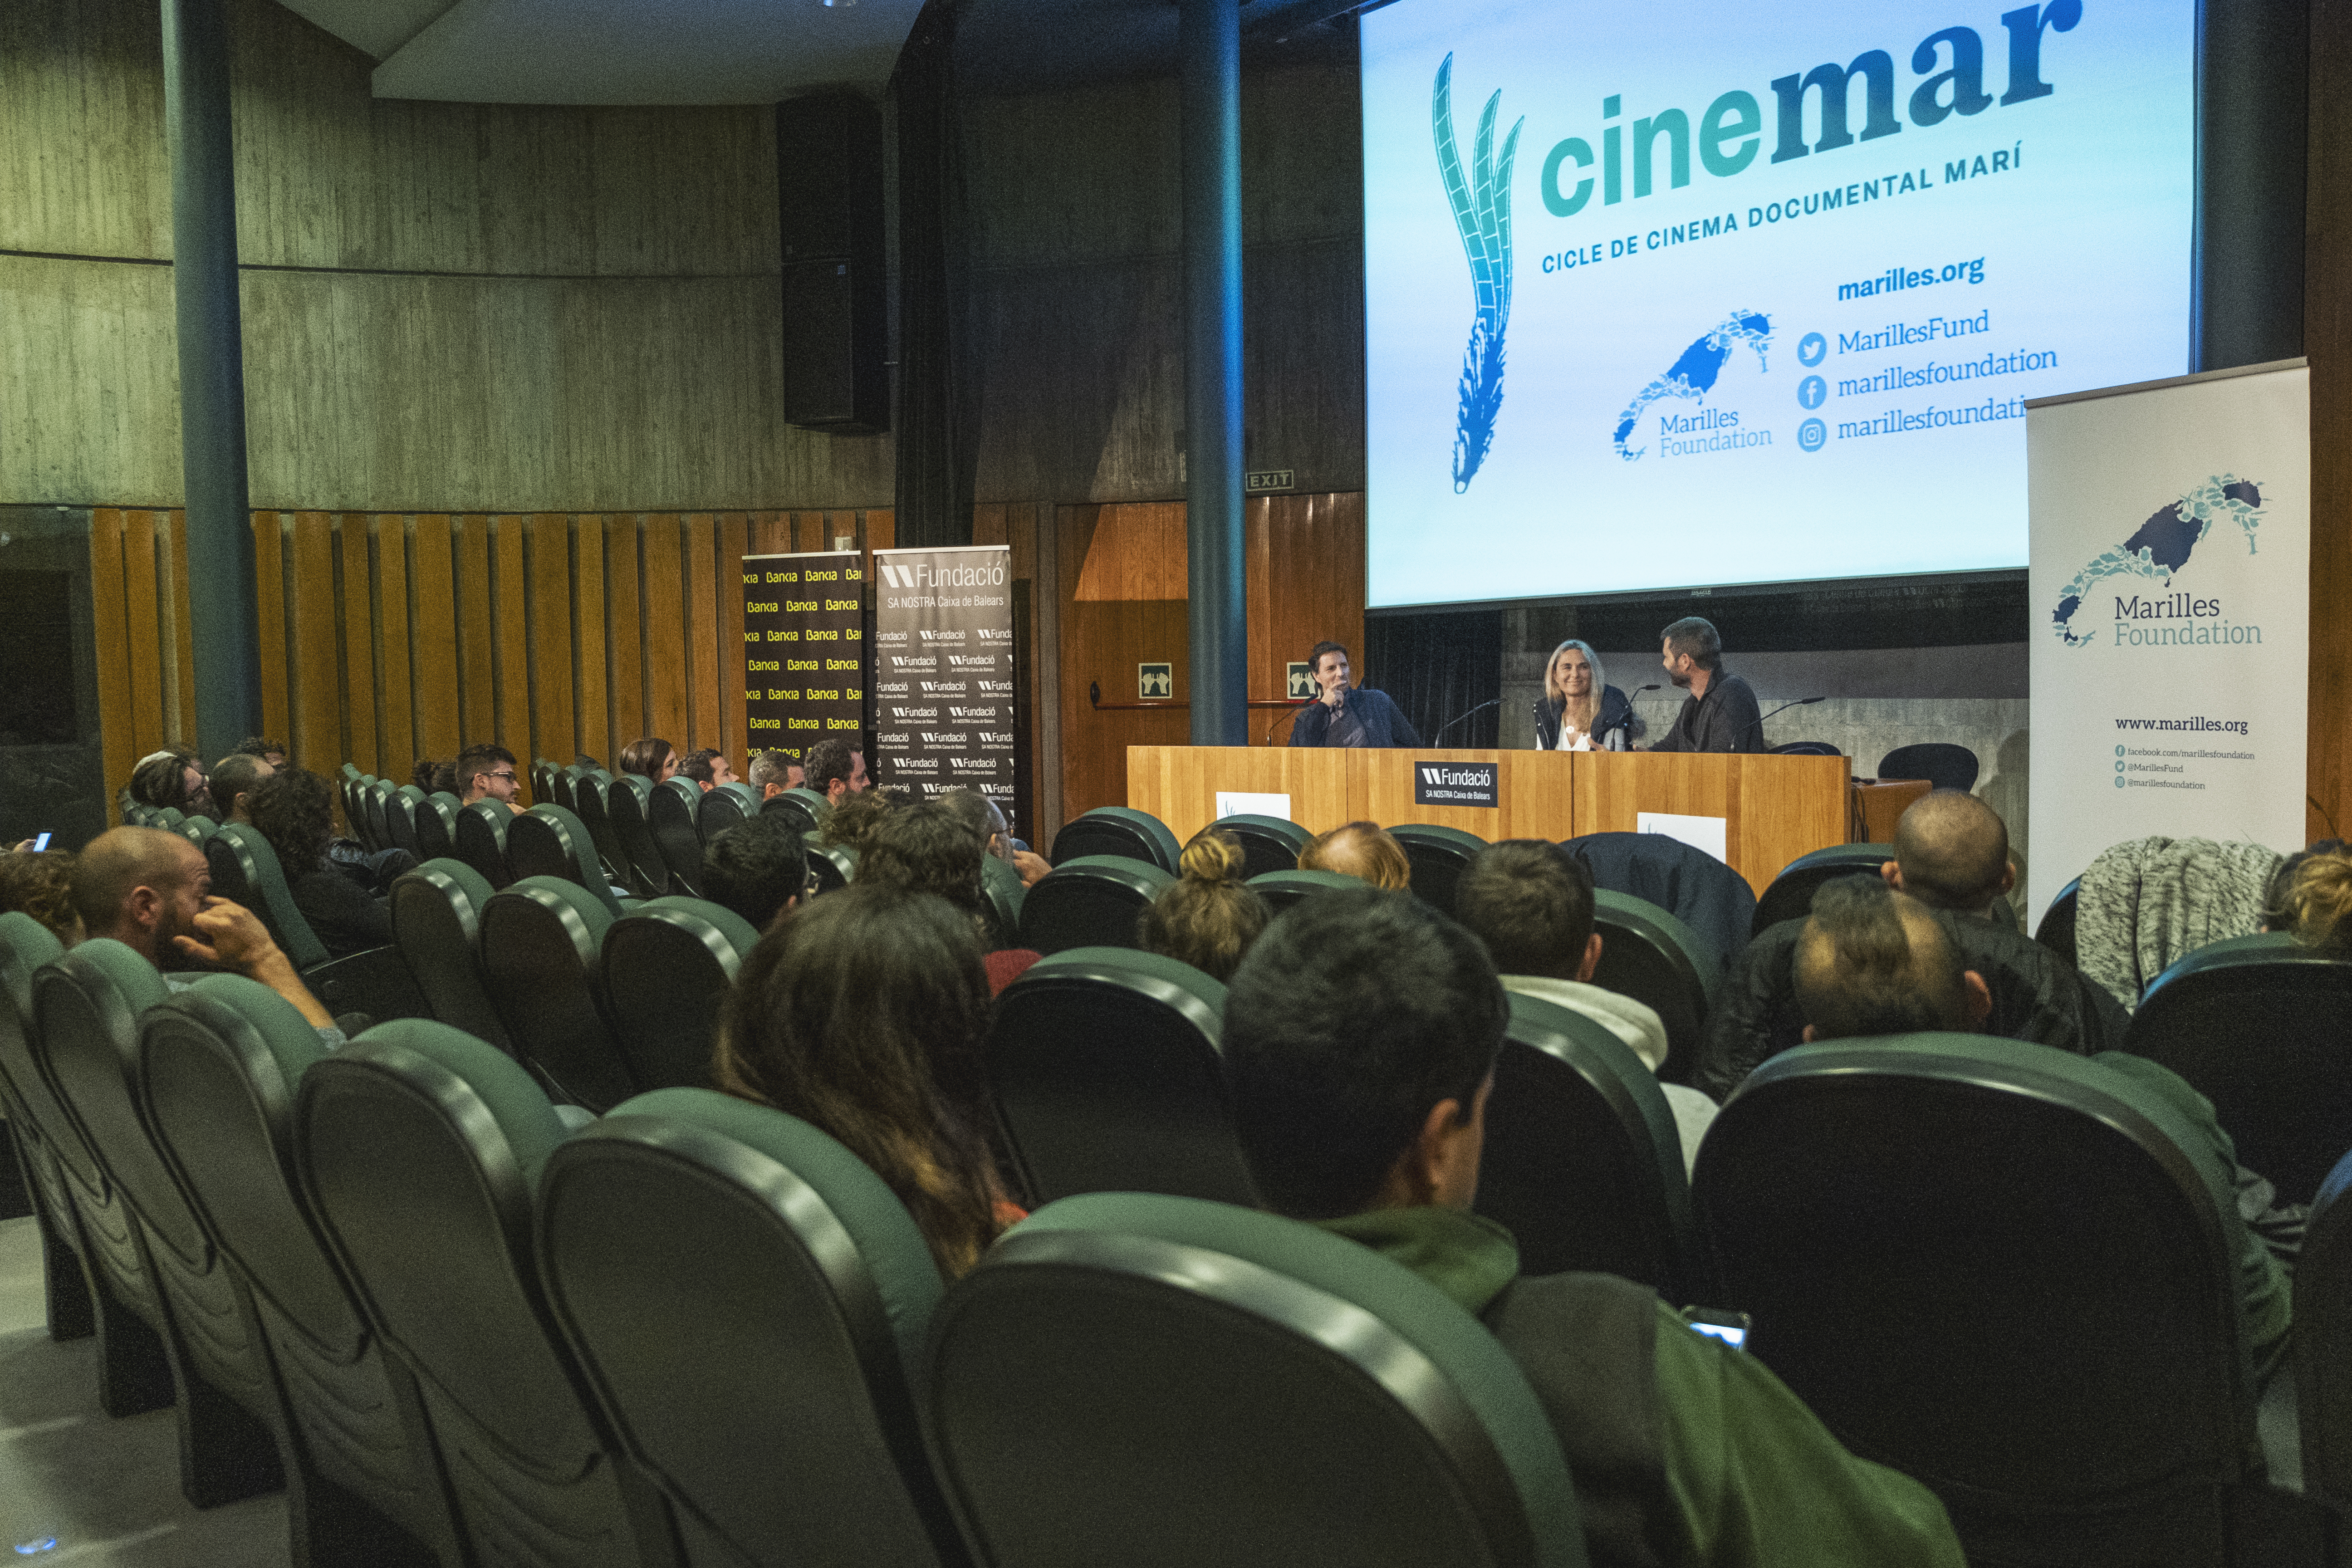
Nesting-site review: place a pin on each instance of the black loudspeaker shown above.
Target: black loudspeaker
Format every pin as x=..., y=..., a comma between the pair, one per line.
x=829, y=208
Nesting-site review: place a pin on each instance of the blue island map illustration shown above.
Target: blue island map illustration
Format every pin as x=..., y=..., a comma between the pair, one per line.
x=1693, y=375
x=2162, y=545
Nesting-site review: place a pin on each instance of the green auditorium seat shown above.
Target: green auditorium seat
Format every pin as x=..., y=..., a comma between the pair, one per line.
x=1118, y=830
x=1268, y=843
x=542, y=780
x=198, y=830
x=1091, y=901
x=375, y=982
x=590, y=793
x=436, y=825
x=670, y=816
x=482, y=841
x=542, y=942
x=375, y=813
x=1790, y=895
x=1583, y=1164
x=1002, y=894
x=563, y=789
x=1995, y=1267
x=2323, y=1342
x=549, y=841
x=787, y=1433
x=627, y=802
x=400, y=816
x=33, y=1114
x=667, y=966
x=436, y=923
x=1104, y=1064
x=1283, y=889
x=724, y=806
x=1646, y=953
x=1439, y=856
x=804, y=809
x=1145, y=1380
x=420, y=1149
x=835, y=866
x=86, y=1004
x=218, y=1067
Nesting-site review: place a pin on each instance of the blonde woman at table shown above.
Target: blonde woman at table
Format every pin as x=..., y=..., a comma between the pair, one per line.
x=1579, y=712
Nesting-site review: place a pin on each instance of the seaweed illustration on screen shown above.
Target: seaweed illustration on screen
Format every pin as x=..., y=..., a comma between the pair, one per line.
x=1482, y=211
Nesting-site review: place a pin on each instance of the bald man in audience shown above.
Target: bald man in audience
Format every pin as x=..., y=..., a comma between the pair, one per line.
x=773, y=774
x=1363, y=850
x=1951, y=854
x=152, y=891
x=1873, y=962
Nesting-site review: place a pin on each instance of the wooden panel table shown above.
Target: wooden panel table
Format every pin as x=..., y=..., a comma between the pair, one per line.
x=1775, y=808
x=1179, y=785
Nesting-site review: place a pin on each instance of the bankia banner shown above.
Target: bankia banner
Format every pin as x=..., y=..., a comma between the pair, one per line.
x=943, y=671
x=804, y=654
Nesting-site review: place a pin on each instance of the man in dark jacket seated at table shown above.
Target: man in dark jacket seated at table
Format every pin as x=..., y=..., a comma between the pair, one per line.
x=1345, y=714
x=1951, y=853
x=1361, y=1035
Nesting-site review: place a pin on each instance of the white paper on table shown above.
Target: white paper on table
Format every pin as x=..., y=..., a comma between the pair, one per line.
x=1239, y=803
x=1699, y=832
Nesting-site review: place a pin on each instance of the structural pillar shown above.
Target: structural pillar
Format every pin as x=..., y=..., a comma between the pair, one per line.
x=1208, y=40
x=224, y=619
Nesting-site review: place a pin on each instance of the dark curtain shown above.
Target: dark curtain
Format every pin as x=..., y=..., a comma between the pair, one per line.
x=936, y=426
x=1437, y=664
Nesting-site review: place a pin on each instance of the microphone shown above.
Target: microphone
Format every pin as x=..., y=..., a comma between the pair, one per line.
x=1285, y=719
x=1757, y=722
x=1496, y=702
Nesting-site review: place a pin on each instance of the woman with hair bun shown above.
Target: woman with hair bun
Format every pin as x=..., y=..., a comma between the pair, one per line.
x=1207, y=917
x=2311, y=896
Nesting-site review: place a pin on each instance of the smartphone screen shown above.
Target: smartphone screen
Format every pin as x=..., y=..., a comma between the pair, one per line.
x=41, y=842
x=1731, y=1334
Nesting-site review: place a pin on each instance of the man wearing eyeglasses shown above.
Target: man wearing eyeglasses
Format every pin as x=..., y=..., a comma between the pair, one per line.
x=486, y=773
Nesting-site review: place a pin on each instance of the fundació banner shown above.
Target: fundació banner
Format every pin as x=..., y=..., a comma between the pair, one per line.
x=943, y=675
x=804, y=648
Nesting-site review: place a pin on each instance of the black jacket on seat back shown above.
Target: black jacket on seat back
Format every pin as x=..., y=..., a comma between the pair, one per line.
x=2036, y=996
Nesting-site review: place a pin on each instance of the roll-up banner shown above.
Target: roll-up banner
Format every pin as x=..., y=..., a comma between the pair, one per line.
x=804, y=648
x=2170, y=590
x=943, y=675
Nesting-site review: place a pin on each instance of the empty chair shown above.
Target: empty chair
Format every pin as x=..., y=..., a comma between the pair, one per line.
x=542, y=942
x=1963, y=1254
x=2323, y=1341
x=1807, y=749
x=549, y=841
x=1002, y=896
x=542, y=780
x=686, y=1198
x=31, y=1110
x=627, y=802
x=1268, y=843
x=1583, y=1163
x=419, y=1148
x=1941, y=764
x=374, y=814
x=400, y=815
x=1120, y=831
x=835, y=866
x=2056, y=930
x=436, y=825
x=723, y=807
x=1439, y=856
x=1136, y=1379
x=1790, y=895
x=482, y=841
x=2261, y=1025
x=670, y=819
x=590, y=793
x=436, y=923
x=1090, y=902
x=667, y=967
x=561, y=787
x=1283, y=889
x=218, y=1065
x=1649, y=955
x=1708, y=896
x=86, y=1008
x=1105, y=1066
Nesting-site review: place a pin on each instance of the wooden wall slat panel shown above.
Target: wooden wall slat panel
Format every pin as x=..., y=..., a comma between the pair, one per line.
x=734, y=531
x=146, y=657
x=269, y=596
x=361, y=686
x=314, y=701
x=551, y=639
x=510, y=621
x=388, y=556
x=665, y=614
x=180, y=642
x=593, y=735
x=625, y=630
x=704, y=586
x=478, y=716
x=436, y=673
x=772, y=534
x=109, y=625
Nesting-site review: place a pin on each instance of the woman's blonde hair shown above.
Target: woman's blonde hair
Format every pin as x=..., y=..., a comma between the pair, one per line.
x=1587, y=711
x=2312, y=897
x=1209, y=916
x=1364, y=850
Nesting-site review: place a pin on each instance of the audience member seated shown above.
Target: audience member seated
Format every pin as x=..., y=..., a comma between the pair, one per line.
x=1531, y=903
x=759, y=869
x=152, y=891
x=268, y=751
x=2145, y=902
x=294, y=811
x=855, y=818
x=1951, y=853
x=1209, y=916
x=773, y=774
x=987, y=819
x=1360, y=849
x=707, y=768
x=651, y=758
x=1361, y=1036
x=233, y=780
x=2311, y=896
x=486, y=772
x=41, y=885
x=426, y=770
x=933, y=849
x=172, y=781
x=836, y=768
x=863, y=1012
x=1872, y=961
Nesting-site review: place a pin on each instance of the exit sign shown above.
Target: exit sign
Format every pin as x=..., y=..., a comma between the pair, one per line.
x=1266, y=480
